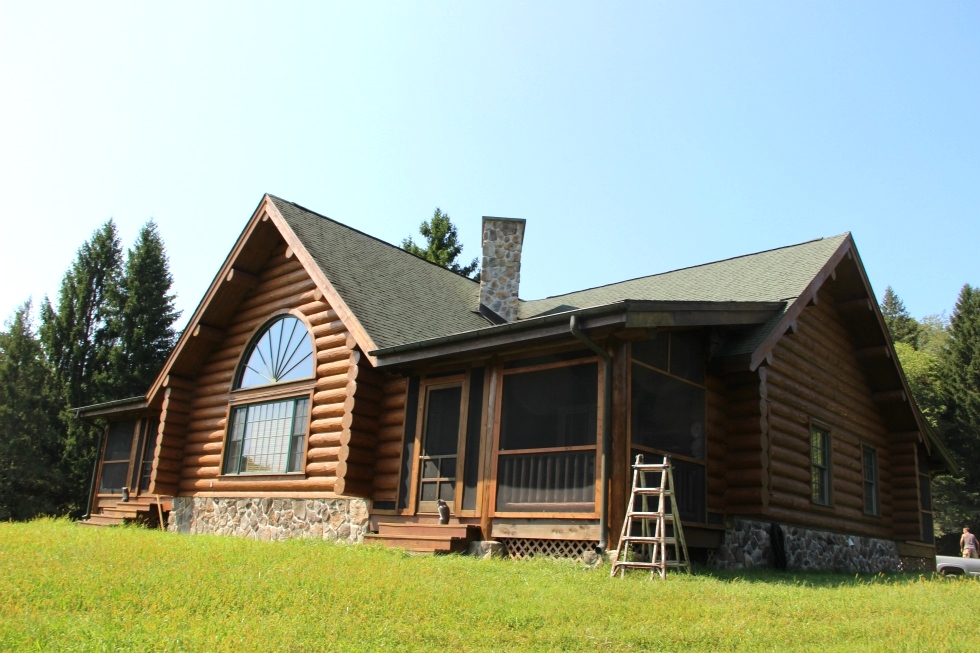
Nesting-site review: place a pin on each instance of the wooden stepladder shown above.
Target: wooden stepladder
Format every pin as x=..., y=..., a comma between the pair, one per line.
x=651, y=548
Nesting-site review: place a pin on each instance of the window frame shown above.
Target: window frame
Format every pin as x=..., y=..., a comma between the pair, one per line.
x=294, y=389
x=496, y=451
x=826, y=470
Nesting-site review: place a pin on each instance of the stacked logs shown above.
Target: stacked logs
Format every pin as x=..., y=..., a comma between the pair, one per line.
x=904, y=452
x=815, y=374
x=391, y=432
x=284, y=284
x=171, y=431
x=744, y=453
x=716, y=427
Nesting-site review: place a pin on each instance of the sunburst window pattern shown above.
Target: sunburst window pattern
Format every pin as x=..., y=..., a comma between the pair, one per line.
x=282, y=353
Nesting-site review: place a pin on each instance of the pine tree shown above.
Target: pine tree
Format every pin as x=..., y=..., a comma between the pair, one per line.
x=144, y=315
x=443, y=246
x=30, y=482
x=78, y=339
x=902, y=326
x=959, y=373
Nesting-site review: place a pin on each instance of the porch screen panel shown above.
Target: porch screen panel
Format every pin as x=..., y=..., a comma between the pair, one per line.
x=471, y=457
x=549, y=422
x=689, y=486
x=667, y=413
x=115, y=460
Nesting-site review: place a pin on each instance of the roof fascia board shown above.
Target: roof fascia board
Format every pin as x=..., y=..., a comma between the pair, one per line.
x=808, y=295
x=134, y=405
x=188, y=332
x=629, y=314
x=330, y=294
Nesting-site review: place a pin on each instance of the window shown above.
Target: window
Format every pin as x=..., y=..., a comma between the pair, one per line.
x=870, y=463
x=268, y=435
x=282, y=352
x=820, y=464
x=548, y=439
x=267, y=438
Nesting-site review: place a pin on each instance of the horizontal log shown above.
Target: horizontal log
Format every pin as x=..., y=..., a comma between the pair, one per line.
x=825, y=522
x=391, y=433
x=356, y=438
x=395, y=384
x=790, y=486
x=387, y=466
x=341, y=340
x=326, y=468
x=791, y=471
x=209, y=424
x=327, y=439
x=330, y=396
x=325, y=322
x=179, y=382
x=168, y=465
x=211, y=472
x=160, y=476
x=333, y=368
x=349, y=471
x=391, y=418
x=326, y=424
x=332, y=355
x=379, y=495
x=322, y=454
x=201, y=460
x=744, y=477
x=258, y=486
x=273, y=293
x=335, y=381
x=364, y=408
x=242, y=279
x=360, y=423
x=196, y=448
x=391, y=449
x=313, y=306
x=356, y=455
x=368, y=392
x=322, y=411
x=789, y=457
x=744, y=496
x=172, y=452
x=175, y=418
x=352, y=488
x=202, y=437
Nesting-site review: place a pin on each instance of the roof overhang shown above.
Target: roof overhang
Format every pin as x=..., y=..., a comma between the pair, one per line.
x=112, y=410
x=628, y=314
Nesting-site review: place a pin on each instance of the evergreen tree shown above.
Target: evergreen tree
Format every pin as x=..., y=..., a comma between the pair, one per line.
x=902, y=326
x=143, y=315
x=443, y=246
x=30, y=482
x=78, y=339
x=959, y=374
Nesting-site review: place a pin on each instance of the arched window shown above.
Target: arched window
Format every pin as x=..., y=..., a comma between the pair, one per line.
x=269, y=436
x=283, y=352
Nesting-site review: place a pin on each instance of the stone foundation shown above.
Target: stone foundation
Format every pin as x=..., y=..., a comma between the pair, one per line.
x=344, y=520
x=748, y=544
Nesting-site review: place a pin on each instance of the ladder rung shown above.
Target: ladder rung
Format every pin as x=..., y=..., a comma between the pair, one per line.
x=636, y=564
x=651, y=515
x=659, y=467
x=650, y=540
x=651, y=490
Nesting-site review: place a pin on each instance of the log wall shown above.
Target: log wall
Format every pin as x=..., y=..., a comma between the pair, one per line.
x=331, y=462
x=746, y=468
x=814, y=374
x=717, y=436
x=391, y=430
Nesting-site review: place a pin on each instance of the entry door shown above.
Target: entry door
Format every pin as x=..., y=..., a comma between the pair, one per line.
x=439, y=447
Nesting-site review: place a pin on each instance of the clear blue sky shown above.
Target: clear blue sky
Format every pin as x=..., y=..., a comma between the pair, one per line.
x=634, y=138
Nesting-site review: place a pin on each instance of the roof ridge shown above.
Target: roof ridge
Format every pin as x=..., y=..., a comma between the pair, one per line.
x=692, y=267
x=367, y=235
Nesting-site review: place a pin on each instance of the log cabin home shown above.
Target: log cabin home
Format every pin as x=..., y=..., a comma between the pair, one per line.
x=332, y=385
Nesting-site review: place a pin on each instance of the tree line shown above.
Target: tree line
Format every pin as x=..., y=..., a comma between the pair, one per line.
x=941, y=360
x=104, y=338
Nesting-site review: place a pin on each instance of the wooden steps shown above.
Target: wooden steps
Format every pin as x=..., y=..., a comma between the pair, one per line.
x=116, y=513
x=425, y=538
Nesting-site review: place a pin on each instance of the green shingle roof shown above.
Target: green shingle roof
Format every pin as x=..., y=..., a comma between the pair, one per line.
x=399, y=298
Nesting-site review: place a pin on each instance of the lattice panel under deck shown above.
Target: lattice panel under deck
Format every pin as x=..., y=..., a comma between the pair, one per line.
x=522, y=548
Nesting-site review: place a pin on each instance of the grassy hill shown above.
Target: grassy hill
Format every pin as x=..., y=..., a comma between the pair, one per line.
x=68, y=588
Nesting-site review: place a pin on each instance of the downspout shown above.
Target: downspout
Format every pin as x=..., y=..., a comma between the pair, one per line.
x=606, y=430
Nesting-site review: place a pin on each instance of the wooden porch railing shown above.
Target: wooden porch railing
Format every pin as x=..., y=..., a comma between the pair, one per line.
x=549, y=481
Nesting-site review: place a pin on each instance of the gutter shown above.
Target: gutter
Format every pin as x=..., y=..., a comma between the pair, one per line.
x=606, y=430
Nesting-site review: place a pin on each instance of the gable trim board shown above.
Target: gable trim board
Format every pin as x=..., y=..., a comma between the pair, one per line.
x=405, y=317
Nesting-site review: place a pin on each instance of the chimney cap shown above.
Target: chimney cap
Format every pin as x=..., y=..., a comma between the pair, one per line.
x=493, y=217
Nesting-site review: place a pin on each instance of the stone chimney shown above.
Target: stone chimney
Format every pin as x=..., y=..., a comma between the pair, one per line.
x=500, y=278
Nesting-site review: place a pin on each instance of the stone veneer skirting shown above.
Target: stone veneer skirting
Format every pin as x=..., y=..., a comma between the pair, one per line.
x=748, y=544
x=344, y=520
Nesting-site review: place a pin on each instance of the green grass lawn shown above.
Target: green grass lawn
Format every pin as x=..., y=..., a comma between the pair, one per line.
x=67, y=588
